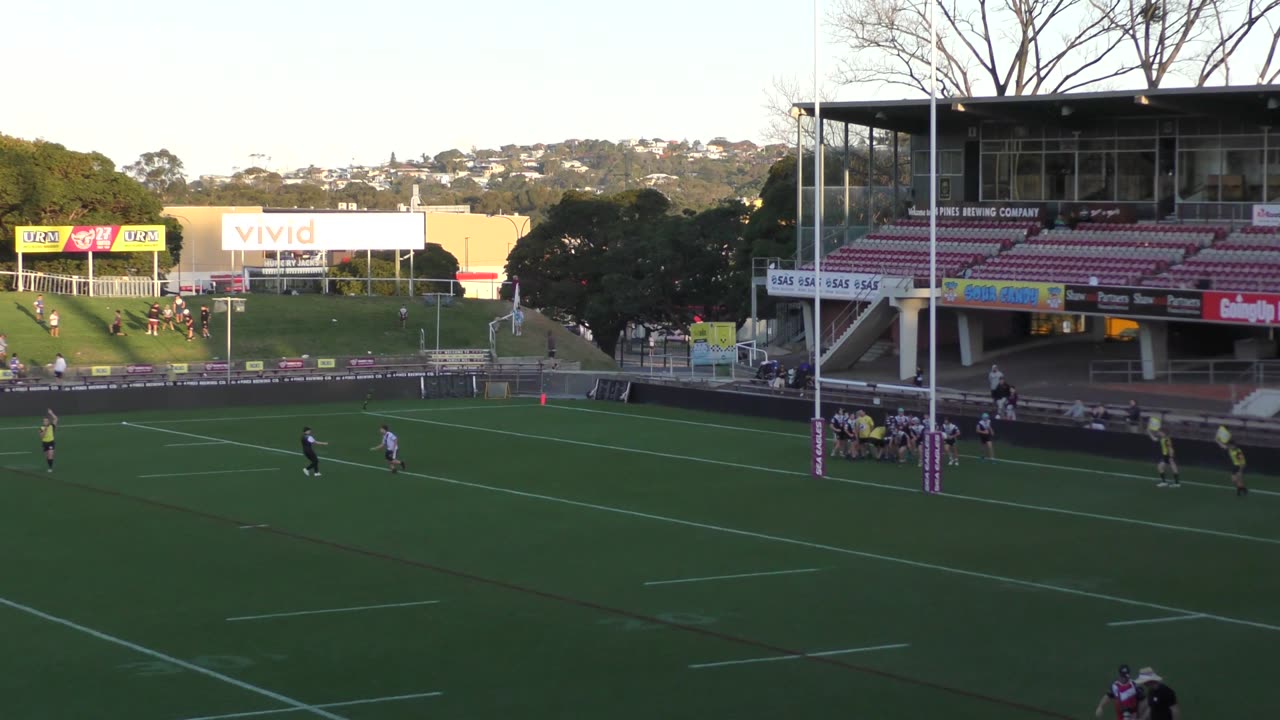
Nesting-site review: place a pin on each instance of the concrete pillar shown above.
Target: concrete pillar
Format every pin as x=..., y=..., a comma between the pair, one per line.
x=1153, y=339
x=1097, y=328
x=971, y=349
x=908, y=334
x=806, y=310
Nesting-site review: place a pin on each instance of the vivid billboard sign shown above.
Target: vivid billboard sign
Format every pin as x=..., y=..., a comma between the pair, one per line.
x=301, y=231
x=1002, y=294
x=89, y=238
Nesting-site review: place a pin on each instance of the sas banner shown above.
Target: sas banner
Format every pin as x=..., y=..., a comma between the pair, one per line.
x=89, y=238
x=713, y=343
x=1002, y=294
x=835, y=286
x=1133, y=302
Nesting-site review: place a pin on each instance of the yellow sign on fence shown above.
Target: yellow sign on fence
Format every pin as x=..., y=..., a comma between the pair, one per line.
x=326, y=363
x=179, y=368
x=253, y=366
x=100, y=370
x=713, y=343
x=89, y=238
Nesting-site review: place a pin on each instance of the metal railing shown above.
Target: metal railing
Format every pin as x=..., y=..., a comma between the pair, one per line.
x=103, y=286
x=1212, y=371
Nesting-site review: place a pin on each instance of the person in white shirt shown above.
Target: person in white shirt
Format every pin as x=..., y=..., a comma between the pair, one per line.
x=391, y=445
x=59, y=366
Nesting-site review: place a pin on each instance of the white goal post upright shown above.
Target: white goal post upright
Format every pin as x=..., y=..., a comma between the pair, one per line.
x=818, y=430
x=931, y=455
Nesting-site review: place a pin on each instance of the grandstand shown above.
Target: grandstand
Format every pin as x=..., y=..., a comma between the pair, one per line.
x=1157, y=199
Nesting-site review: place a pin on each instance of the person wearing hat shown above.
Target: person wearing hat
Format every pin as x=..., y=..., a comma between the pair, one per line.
x=1124, y=693
x=1160, y=700
x=309, y=442
x=987, y=436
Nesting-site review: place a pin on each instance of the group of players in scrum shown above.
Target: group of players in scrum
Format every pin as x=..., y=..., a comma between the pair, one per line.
x=899, y=438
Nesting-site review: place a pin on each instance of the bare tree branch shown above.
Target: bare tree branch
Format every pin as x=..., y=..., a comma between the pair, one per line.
x=1232, y=29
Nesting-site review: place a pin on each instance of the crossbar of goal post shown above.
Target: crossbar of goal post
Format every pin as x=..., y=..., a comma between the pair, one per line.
x=931, y=449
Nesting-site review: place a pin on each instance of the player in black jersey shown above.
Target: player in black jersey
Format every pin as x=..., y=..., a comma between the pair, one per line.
x=309, y=442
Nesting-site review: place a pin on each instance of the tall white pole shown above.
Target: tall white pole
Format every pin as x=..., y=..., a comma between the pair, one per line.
x=228, y=341
x=818, y=426
x=933, y=215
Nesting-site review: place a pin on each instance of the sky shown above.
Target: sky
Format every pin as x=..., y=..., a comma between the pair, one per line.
x=325, y=82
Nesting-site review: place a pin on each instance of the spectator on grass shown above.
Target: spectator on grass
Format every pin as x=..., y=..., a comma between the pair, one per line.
x=54, y=320
x=153, y=320
x=39, y=306
x=519, y=321
x=59, y=366
x=16, y=367
x=1133, y=415
x=994, y=378
x=117, y=325
x=4, y=346
x=404, y=316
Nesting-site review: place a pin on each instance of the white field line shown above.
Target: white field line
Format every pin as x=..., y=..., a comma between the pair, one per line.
x=252, y=527
x=294, y=705
x=195, y=444
x=1045, y=466
x=17, y=452
x=178, y=421
x=348, y=703
x=332, y=610
x=777, y=658
x=865, y=483
x=208, y=472
x=960, y=572
x=1177, y=618
x=733, y=577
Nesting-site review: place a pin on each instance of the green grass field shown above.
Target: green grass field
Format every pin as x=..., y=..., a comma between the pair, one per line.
x=275, y=326
x=593, y=560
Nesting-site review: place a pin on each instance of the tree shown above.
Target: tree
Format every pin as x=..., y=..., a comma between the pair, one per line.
x=160, y=172
x=1009, y=47
x=439, y=264
x=392, y=163
x=43, y=183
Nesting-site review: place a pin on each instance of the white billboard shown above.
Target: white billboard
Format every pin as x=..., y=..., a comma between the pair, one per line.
x=1266, y=215
x=304, y=231
x=835, y=286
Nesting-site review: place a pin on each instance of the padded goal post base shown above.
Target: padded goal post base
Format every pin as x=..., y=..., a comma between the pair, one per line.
x=615, y=390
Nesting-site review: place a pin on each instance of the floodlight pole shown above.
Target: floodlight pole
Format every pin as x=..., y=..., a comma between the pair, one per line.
x=933, y=216
x=818, y=428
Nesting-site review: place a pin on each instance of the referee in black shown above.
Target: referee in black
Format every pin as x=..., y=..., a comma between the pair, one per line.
x=309, y=442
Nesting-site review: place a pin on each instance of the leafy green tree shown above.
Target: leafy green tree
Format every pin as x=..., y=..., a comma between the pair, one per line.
x=160, y=171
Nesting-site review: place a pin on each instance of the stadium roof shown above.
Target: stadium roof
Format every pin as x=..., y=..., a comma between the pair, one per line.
x=1254, y=104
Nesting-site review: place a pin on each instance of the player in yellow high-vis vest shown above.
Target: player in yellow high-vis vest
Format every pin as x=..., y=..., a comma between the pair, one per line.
x=48, y=429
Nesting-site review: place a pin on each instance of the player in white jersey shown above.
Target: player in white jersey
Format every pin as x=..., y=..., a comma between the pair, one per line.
x=987, y=436
x=391, y=444
x=950, y=436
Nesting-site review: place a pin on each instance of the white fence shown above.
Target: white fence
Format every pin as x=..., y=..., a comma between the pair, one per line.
x=105, y=286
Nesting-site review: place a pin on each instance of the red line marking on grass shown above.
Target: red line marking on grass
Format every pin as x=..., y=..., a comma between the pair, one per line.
x=547, y=595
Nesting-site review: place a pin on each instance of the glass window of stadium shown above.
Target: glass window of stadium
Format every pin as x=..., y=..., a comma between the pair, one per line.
x=1112, y=161
x=1227, y=162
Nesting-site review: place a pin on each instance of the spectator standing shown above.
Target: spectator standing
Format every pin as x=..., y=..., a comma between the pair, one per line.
x=551, y=345
x=1001, y=396
x=919, y=378
x=1098, y=417
x=117, y=325
x=204, y=321
x=994, y=378
x=16, y=367
x=1133, y=415
x=39, y=306
x=4, y=346
x=1011, y=404
x=404, y=316
x=1161, y=700
x=168, y=317
x=54, y=320
x=518, y=316
x=190, y=322
x=59, y=366
x=153, y=320
x=1076, y=411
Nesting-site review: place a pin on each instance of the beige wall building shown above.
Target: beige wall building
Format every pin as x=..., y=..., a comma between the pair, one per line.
x=481, y=244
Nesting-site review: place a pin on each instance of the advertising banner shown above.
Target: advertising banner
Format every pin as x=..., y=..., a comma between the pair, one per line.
x=713, y=343
x=1133, y=302
x=88, y=238
x=1002, y=295
x=1266, y=215
x=931, y=462
x=989, y=211
x=818, y=439
x=835, y=286
x=324, y=231
x=1249, y=308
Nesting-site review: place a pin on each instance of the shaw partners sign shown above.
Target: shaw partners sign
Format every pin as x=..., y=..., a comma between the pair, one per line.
x=324, y=231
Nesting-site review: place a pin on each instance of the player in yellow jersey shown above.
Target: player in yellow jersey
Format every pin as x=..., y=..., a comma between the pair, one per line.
x=48, y=428
x=1167, y=460
x=1237, y=468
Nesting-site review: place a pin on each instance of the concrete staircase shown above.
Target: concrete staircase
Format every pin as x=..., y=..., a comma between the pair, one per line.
x=1261, y=403
x=861, y=335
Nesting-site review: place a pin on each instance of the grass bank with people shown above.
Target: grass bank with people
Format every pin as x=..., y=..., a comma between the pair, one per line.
x=273, y=326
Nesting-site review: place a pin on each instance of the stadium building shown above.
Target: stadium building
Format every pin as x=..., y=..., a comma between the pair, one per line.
x=1114, y=215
